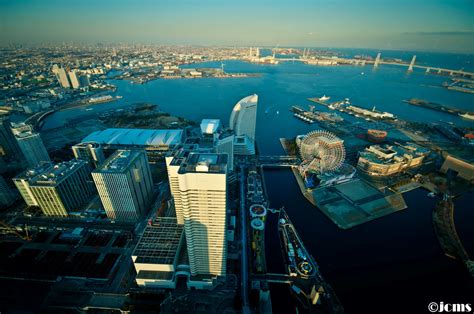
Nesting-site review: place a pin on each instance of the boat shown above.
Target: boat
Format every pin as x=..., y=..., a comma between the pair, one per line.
x=431, y=195
x=89, y=109
x=376, y=136
x=324, y=98
x=467, y=115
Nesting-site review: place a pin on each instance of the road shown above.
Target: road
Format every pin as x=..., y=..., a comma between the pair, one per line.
x=244, y=257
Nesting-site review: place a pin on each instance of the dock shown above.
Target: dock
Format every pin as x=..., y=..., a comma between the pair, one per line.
x=436, y=107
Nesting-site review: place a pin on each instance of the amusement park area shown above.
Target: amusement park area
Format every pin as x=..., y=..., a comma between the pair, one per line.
x=355, y=165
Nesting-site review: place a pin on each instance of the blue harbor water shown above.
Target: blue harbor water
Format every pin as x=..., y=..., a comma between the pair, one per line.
x=385, y=264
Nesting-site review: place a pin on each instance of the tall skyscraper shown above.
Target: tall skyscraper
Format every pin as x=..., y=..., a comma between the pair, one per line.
x=7, y=197
x=8, y=144
x=201, y=200
x=125, y=185
x=74, y=79
x=62, y=76
x=91, y=152
x=31, y=145
x=243, y=119
x=59, y=189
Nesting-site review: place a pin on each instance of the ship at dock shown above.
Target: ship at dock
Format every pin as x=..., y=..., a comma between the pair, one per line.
x=359, y=112
x=307, y=285
x=311, y=116
x=102, y=99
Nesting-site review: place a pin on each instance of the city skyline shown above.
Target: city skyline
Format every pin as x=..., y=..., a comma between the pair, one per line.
x=436, y=26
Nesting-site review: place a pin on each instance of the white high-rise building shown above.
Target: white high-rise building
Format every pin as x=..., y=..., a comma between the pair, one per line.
x=125, y=185
x=172, y=166
x=62, y=76
x=32, y=147
x=74, y=79
x=200, y=194
x=243, y=119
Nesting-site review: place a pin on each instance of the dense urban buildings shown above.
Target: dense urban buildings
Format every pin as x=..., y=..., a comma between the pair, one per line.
x=164, y=200
x=125, y=185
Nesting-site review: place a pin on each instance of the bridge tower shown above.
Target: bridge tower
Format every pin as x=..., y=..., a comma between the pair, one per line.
x=412, y=63
x=377, y=60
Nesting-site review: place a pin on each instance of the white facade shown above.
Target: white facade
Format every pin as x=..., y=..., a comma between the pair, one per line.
x=243, y=119
x=74, y=78
x=125, y=185
x=201, y=198
x=172, y=169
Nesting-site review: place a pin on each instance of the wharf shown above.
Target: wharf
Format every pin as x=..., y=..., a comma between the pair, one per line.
x=352, y=203
x=443, y=223
x=434, y=106
x=304, y=277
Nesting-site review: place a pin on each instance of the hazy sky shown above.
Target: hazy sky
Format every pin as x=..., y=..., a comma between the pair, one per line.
x=446, y=25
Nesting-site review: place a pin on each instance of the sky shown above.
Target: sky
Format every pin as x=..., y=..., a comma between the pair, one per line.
x=432, y=25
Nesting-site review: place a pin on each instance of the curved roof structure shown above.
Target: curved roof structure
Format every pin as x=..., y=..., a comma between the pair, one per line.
x=243, y=118
x=136, y=137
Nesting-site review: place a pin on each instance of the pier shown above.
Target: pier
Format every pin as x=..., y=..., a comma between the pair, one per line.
x=278, y=161
x=445, y=230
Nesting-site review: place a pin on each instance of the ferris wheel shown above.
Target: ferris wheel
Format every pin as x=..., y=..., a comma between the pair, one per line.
x=321, y=152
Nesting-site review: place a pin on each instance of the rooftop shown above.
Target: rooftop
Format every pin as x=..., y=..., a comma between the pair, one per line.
x=160, y=242
x=204, y=162
x=138, y=137
x=119, y=161
x=400, y=152
x=51, y=175
x=210, y=126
